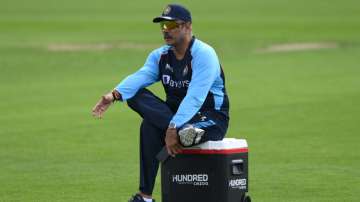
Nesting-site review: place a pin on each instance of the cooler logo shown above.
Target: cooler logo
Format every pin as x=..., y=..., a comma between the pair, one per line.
x=191, y=179
x=237, y=184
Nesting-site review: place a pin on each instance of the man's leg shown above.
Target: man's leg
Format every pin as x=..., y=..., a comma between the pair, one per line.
x=214, y=125
x=151, y=108
x=156, y=117
x=151, y=142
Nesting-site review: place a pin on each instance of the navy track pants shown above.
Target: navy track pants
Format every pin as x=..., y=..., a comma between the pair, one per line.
x=156, y=116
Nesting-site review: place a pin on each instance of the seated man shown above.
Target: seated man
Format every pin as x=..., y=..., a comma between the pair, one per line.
x=196, y=106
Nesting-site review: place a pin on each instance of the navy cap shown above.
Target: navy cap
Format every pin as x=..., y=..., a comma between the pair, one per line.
x=174, y=12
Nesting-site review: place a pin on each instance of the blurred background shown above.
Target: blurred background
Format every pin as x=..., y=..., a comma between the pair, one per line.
x=292, y=73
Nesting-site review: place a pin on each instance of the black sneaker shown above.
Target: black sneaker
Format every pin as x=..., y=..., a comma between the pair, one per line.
x=138, y=198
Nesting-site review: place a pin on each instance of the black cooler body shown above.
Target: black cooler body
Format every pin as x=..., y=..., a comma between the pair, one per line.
x=215, y=171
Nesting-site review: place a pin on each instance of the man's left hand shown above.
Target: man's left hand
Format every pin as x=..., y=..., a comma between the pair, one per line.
x=172, y=142
x=102, y=105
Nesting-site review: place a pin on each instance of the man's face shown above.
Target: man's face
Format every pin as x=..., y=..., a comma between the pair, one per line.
x=174, y=32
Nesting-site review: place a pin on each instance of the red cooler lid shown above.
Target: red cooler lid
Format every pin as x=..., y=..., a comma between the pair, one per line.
x=225, y=146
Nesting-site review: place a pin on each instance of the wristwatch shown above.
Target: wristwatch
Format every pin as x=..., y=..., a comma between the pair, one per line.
x=116, y=95
x=172, y=125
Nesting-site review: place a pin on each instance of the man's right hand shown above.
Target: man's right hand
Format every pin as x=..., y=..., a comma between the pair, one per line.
x=172, y=142
x=103, y=104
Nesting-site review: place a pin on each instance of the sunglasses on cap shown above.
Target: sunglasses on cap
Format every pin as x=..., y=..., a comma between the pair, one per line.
x=169, y=25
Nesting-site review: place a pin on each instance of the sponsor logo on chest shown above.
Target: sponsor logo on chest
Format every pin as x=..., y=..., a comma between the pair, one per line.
x=166, y=80
x=168, y=77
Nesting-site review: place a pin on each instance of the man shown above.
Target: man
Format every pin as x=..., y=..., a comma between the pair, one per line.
x=196, y=106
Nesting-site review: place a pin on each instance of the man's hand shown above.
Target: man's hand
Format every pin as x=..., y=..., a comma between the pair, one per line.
x=103, y=104
x=172, y=142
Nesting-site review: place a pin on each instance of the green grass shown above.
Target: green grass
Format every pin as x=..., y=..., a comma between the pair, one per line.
x=299, y=111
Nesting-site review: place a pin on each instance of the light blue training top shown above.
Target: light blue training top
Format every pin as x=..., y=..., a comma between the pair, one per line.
x=202, y=88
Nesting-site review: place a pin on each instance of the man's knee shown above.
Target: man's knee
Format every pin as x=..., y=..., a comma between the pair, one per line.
x=134, y=101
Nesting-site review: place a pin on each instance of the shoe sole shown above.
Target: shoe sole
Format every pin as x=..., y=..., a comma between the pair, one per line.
x=189, y=136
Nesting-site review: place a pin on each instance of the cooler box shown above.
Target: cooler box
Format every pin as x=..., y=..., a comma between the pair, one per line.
x=215, y=171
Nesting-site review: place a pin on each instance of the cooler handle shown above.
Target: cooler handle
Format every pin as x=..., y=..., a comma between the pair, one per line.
x=237, y=166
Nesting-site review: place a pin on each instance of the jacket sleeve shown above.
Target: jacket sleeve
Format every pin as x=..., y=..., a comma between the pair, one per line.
x=145, y=76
